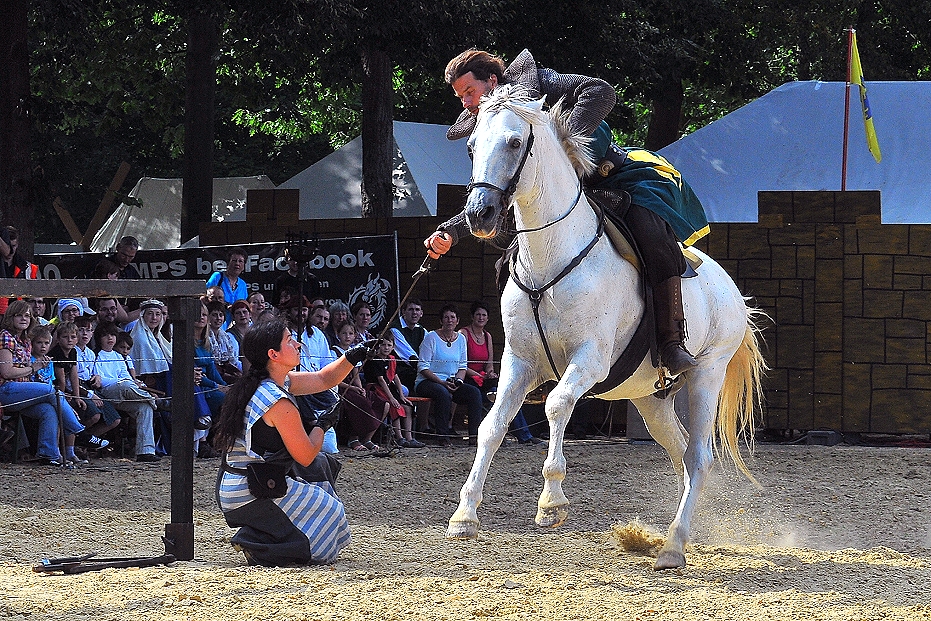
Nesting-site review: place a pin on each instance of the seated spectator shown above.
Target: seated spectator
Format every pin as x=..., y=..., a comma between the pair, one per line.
x=99, y=415
x=442, y=368
x=408, y=336
x=257, y=304
x=357, y=408
x=224, y=347
x=69, y=309
x=214, y=294
x=127, y=394
x=110, y=310
x=36, y=400
x=41, y=337
x=361, y=318
x=314, y=355
x=39, y=310
x=242, y=321
x=208, y=383
x=339, y=312
x=151, y=351
x=387, y=394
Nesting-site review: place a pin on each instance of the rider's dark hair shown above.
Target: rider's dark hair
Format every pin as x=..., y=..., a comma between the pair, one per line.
x=255, y=345
x=480, y=63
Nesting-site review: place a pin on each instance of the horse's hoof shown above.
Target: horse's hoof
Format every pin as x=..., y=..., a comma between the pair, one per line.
x=552, y=516
x=462, y=530
x=669, y=559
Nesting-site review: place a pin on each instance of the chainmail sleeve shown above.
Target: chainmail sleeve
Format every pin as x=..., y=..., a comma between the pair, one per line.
x=456, y=227
x=590, y=99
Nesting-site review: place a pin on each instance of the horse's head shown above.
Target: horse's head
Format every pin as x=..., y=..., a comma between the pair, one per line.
x=503, y=143
x=499, y=147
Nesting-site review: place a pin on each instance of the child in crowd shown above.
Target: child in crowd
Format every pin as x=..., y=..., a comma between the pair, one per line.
x=84, y=354
x=124, y=344
x=93, y=411
x=41, y=337
x=117, y=385
x=357, y=407
x=387, y=396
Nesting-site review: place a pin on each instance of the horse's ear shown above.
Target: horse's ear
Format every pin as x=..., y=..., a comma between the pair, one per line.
x=539, y=103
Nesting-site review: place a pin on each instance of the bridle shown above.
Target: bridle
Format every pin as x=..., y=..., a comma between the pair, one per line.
x=508, y=192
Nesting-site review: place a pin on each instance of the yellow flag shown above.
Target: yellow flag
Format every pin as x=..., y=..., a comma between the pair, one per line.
x=856, y=77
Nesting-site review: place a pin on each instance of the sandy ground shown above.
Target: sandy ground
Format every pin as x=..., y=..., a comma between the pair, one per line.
x=836, y=533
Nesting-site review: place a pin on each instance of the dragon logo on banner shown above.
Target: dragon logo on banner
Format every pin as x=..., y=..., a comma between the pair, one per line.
x=375, y=292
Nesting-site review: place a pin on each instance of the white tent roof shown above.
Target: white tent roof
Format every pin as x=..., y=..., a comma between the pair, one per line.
x=792, y=139
x=157, y=223
x=331, y=188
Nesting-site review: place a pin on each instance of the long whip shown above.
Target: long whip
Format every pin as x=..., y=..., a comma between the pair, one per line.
x=425, y=267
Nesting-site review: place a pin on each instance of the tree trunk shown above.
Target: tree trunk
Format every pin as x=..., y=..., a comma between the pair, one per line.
x=201, y=81
x=377, y=134
x=667, y=114
x=16, y=185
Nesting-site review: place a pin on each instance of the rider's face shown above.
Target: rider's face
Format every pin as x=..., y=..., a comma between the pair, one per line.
x=470, y=90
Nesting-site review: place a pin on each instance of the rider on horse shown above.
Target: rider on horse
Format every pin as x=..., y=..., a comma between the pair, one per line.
x=663, y=208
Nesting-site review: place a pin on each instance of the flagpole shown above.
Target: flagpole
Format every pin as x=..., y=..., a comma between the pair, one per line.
x=843, y=177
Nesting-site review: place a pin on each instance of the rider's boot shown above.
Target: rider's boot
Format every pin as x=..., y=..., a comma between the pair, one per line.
x=670, y=326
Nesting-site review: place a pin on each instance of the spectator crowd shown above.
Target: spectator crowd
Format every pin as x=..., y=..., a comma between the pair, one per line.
x=85, y=378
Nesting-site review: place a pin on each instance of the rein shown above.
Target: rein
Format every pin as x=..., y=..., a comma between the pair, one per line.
x=536, y=294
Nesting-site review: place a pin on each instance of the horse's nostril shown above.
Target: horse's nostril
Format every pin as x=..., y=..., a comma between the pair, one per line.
x=487, y=212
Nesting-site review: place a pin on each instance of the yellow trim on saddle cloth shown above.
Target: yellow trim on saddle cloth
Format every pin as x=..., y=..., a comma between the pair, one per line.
x=694, y=237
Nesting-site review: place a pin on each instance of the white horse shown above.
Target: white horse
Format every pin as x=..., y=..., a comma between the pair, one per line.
x=589, y=315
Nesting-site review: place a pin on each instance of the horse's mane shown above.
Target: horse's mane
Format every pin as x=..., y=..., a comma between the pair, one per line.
x=516, y=98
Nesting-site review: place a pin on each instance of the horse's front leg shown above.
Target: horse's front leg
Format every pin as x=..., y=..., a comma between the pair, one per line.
x=553, y=506
x=513, y=385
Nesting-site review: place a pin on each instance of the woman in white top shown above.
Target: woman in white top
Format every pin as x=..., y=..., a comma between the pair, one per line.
x=441, y=370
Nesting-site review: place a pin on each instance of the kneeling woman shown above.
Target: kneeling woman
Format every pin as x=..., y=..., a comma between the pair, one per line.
x=260, y=424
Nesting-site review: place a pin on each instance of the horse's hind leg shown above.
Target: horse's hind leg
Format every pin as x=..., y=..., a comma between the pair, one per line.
x=553, y=506
x=513, y=385
x=704, y=385
x=666, y=428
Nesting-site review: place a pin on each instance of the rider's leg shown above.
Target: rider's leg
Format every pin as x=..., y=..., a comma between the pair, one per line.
x=664, y=265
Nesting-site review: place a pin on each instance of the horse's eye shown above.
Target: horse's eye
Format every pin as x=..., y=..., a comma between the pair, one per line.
x=471, y=153
x=514, y=143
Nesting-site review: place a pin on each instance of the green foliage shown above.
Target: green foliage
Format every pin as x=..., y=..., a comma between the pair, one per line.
x=108, y=78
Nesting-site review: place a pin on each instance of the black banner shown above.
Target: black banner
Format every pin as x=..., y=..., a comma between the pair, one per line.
x=349, y=269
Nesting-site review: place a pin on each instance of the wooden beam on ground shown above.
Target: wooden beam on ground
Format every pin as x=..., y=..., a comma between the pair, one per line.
x=68, y=221
x=104, y=209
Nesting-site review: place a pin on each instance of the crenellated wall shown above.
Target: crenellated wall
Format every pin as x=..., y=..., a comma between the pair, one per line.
x=850, y=297
x=851, y=302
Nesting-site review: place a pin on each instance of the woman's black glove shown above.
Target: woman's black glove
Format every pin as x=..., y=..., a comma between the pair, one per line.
x=328, y=418
x=360, y=352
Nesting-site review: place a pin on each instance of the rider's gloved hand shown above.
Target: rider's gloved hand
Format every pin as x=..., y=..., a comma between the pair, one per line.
x=438, y=244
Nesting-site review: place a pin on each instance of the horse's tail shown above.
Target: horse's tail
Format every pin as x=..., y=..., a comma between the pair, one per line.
x=741, y=395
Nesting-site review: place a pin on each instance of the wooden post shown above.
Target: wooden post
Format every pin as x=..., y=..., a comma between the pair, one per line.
x=179, y=534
